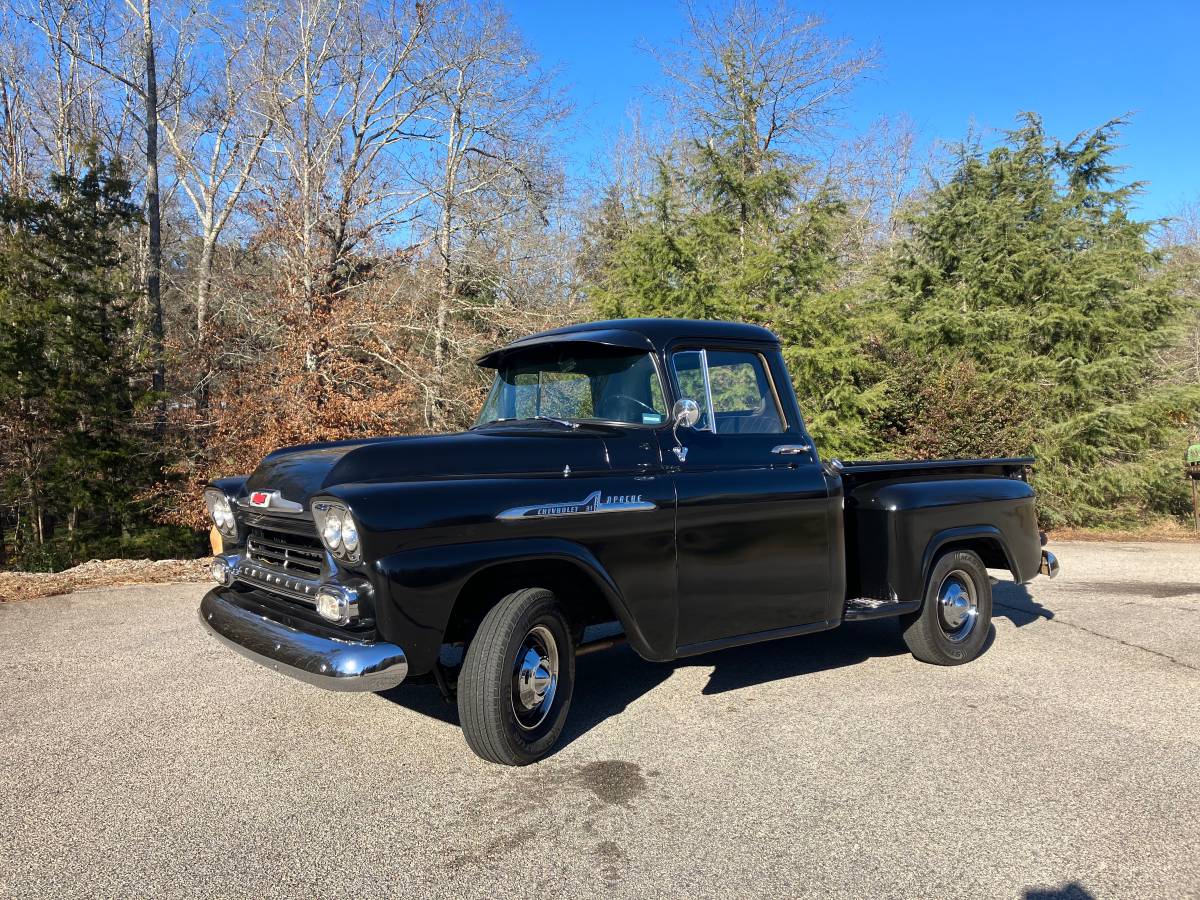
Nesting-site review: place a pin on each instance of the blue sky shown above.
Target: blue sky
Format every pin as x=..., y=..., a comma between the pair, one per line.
x=944, y=65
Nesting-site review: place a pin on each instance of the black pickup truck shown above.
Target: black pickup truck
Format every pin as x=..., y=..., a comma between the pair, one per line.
x=655, y=473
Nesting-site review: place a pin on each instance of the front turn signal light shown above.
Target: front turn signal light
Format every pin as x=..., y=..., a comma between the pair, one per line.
x=337, y=604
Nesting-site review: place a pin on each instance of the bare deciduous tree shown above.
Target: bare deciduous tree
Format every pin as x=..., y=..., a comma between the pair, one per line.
x=761, y=75
x=875, y=172
x=16, y=126
x=216, y=134
x=1181, y=240
x=341, y=91
x=495, y=113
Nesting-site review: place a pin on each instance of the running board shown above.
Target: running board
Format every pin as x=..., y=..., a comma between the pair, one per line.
x=862, y=608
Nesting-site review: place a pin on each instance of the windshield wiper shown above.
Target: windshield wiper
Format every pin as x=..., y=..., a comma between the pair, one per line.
x=538, y=418
x=565, y=422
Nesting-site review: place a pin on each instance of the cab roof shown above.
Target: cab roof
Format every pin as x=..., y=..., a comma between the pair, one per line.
x=635, y=334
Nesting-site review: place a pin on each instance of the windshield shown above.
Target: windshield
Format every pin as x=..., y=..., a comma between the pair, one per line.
x=578, y=387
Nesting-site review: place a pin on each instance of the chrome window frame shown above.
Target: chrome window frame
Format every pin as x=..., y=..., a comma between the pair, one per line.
x=784, y=425
x=703, y=351
x=712, y=410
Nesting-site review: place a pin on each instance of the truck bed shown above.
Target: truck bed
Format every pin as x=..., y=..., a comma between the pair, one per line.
x=861, y=471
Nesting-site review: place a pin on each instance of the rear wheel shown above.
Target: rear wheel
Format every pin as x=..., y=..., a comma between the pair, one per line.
x=517, y=678
x=952, y=625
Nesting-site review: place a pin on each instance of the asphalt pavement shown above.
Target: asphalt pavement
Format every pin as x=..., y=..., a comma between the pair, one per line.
x=140, y=758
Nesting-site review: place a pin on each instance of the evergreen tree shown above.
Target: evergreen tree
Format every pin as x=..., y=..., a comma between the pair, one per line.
x=1026, y=275
x=719, y=242
x=70, y=390
x=738, y=228
x=739, y=225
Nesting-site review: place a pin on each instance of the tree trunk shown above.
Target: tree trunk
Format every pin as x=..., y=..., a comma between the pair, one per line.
x=204, y=285
x=440, y=343
x=153, y=224
x=446, y=282
x=203, y=288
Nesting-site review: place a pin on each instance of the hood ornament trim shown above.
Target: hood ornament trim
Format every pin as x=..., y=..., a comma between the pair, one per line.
x=269, y=500
x=592, y=504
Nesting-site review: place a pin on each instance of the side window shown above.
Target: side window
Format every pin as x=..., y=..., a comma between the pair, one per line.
x=742, y=399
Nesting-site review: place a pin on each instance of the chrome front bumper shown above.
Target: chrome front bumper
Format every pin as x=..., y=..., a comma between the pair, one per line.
x=1049, y=566
x=326, y=662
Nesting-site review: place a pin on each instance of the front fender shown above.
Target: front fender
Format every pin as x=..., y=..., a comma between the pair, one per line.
x=420, y=586
x=234, y=486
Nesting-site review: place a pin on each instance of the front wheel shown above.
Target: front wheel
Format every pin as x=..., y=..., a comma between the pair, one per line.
x=517, y=678
x=954, y=620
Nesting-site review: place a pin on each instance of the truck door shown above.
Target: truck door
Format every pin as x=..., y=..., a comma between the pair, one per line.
x=752, y=527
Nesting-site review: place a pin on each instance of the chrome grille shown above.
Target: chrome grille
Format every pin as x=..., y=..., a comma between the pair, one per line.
x=292, y=548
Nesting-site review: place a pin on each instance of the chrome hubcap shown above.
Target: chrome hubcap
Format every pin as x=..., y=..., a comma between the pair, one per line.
x=958, y=607
x=535, y=677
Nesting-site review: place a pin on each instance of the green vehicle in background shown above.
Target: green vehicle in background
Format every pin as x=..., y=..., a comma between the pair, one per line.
x=1192, y=460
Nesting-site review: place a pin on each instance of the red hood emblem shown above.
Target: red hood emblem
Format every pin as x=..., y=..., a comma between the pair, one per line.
x=260, y=498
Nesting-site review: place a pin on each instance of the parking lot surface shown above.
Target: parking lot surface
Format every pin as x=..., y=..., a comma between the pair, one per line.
x=139, y=757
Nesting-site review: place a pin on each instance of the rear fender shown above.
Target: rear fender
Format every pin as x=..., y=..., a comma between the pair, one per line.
x=898, y=528
x=969, y=537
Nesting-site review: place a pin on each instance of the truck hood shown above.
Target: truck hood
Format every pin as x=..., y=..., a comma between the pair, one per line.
x=299, y=473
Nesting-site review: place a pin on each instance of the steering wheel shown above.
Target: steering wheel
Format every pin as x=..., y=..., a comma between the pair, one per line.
x=623, y=408
x=646, y=406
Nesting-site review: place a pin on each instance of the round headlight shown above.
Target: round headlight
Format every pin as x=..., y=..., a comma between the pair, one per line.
x=333, y=529
x=221, y=512
x=349, y=534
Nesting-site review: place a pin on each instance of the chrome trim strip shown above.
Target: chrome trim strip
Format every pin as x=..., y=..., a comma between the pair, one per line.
x=712, y=413
x=589, y=505
x=253, y=573
x=325, y=662
x=791, y=449
x=275, y=503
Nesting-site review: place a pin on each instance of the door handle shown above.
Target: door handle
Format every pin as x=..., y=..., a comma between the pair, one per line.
x=791, y=449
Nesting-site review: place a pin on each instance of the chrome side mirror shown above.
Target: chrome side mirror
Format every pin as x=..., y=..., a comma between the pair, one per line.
x=685, y=413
